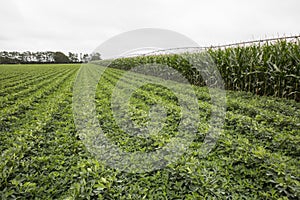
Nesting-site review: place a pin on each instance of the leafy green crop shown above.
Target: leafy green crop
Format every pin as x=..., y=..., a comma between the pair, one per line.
x=42, y=157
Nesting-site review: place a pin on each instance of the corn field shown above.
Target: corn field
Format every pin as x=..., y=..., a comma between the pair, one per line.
x=268, y=69
x=271, y=68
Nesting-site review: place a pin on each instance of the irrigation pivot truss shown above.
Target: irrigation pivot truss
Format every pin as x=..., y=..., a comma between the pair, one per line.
x=199, y=49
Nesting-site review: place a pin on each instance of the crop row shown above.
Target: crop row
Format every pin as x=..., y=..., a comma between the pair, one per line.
x=248, y=158
x=13, y=86
x=256, y=155
x=24, y=87
x=15, y=105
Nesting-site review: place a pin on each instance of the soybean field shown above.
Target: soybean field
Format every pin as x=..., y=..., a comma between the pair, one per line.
x=256, y=155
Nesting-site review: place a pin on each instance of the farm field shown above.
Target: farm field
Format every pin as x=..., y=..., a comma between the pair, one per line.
x=42, y=156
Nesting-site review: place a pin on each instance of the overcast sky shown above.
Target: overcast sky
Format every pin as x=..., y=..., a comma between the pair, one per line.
x=82, y=25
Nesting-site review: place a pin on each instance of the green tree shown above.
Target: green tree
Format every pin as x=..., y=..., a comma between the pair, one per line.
x=73, y=57
x=85, y=58
x=95, y=56
x=60, y=57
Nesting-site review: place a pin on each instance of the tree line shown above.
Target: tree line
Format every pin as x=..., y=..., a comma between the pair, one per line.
x=45, y=57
